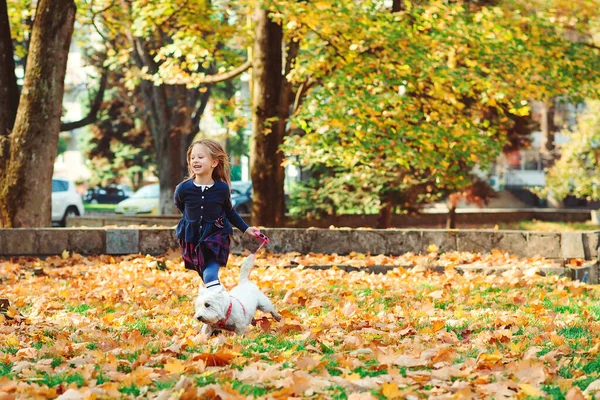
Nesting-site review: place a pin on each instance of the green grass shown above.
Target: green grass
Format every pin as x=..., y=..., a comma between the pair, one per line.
x=57, y=379
x=99, y=207
x=205, y=380
x=553, y=392
x=337, y=393
x=162, y=385
x=562, y=309
x=369, y=372
x=269, y=343
x=574, y=332
x=595, y=310
x=249, y=390
x=80, y=309
x=592, y=366
x=131, y=389
x=549, y=226
x=140, y=325
x=5, y=369
x=9, y=350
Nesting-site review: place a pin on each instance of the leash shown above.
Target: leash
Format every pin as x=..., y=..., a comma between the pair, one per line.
x=265, y=241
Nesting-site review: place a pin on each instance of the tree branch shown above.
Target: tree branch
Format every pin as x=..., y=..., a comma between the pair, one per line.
x=228, y=75
x=94, y=109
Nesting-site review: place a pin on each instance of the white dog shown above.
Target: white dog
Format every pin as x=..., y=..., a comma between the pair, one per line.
x=232, y=311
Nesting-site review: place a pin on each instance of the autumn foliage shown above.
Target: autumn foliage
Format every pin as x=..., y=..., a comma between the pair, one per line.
x=102, y=326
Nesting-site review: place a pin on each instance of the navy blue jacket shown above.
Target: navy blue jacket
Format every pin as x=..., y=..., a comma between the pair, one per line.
x=202, y=211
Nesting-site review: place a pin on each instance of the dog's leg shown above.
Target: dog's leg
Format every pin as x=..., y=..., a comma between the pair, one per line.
x=265, y=305
x=240, y=330
x=207, y=330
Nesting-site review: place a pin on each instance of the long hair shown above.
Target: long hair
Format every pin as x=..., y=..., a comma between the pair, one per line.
x=222, y=170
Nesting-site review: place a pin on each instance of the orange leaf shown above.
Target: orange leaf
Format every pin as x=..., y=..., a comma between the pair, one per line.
x=437, y=325
x=575, y=394
x=216, y=359
x=264, y=323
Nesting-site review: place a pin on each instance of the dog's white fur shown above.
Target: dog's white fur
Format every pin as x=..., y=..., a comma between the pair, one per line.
x=212, y=304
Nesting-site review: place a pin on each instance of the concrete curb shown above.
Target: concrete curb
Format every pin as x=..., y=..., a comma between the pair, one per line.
x=49, y=241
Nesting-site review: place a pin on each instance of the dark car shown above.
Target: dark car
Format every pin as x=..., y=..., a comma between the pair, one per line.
x=111, y=194
x=241, y=196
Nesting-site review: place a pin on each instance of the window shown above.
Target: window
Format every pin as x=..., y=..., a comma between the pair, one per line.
x=59, y=185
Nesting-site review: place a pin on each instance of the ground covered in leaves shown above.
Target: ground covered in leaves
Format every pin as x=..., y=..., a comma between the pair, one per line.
x=106, y=327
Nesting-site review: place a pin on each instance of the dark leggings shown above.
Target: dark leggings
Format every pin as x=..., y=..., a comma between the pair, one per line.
x=210, y=272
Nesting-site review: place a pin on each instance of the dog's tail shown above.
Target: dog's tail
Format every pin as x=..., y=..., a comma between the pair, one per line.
x=247, y=268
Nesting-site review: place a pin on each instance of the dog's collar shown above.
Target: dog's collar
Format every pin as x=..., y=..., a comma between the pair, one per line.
x=221, y=323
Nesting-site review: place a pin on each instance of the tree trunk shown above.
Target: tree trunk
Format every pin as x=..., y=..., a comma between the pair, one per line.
x=265, y=158
x=385, y=212
x=9, y=91
x=168, y=163
x=171, y=150
x=26, y=182
x=451, y=217
x=548, y=130
x=397, y=5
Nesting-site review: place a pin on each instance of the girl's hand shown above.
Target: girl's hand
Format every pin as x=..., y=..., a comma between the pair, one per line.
x=254, y=231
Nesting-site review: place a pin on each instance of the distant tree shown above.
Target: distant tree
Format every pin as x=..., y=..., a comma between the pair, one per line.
x=171, y=53
x=268, y=80
x=119, y=144
x=577, y=171
x=410, y=103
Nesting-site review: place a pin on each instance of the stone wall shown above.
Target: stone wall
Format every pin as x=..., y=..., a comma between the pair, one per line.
x=48, y=241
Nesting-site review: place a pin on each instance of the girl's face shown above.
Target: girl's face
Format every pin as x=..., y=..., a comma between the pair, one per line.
x=201, y=162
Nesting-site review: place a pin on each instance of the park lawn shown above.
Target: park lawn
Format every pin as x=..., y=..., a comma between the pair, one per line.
x=122, y=327
x=99, y=207
x=547, y=226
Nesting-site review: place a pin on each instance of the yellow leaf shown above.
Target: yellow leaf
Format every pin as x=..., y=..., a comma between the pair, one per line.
x=174, y=366
x=432, y=248
x=65, y=254
x=11, y=340
x=390, y=390
x=496, y=356
x=530, y=390
x=352, y=377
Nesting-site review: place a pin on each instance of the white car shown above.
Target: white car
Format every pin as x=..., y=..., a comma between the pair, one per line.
x=66, y=202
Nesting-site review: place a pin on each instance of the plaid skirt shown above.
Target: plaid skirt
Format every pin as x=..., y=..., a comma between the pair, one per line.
x=194, y=254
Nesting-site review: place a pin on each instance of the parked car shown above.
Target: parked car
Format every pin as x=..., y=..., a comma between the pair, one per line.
x=111, y=194
x=144, y=201
x=66, y=202
x=241, y=196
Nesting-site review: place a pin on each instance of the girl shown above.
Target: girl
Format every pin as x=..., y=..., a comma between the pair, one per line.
x=205, y=201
